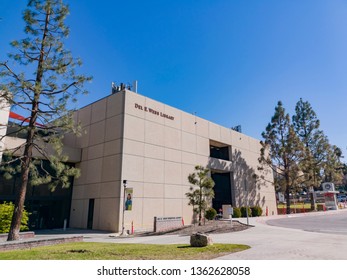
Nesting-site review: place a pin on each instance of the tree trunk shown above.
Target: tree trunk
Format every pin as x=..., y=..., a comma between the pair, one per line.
x=19, y=205
x=287, y=193
x=288, y=201
x=200, y=202
x=200, y=217
x=25, y=168
x=27, y=156
x=313, y=202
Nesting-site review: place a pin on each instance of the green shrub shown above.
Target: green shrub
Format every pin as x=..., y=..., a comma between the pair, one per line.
x=244, y=213
x=256, y=211
x=210, y=214
x=6, y=213
x=237, y=213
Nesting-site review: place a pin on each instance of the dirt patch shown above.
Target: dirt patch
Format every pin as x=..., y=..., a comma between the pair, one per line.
x=216, y=226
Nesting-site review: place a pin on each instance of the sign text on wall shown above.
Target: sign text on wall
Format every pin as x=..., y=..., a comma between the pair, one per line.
x=154, y=112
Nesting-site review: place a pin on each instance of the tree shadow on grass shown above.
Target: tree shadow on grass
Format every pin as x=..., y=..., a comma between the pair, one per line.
x=184, y=247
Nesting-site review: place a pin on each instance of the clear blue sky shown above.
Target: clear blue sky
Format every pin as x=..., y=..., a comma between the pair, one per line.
x=229, y=61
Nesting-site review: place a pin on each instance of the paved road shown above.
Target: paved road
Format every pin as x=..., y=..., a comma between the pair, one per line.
x=335, y=223
x=285, y=243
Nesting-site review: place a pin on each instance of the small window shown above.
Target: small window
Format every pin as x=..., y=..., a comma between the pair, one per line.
x=219, y=151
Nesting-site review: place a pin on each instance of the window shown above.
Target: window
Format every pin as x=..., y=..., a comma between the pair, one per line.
x=219, y=150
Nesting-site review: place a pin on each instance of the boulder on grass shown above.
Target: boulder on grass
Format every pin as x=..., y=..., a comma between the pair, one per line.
x=200, y=240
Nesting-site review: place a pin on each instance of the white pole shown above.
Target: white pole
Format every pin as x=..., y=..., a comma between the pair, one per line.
x=246, y=188
x=123, y=233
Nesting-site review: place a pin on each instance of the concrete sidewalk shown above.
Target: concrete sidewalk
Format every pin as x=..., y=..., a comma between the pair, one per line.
x=267, y=242
x=276, y=243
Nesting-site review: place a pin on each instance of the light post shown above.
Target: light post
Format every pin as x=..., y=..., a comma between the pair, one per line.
x=124, y=185
x=246, y=189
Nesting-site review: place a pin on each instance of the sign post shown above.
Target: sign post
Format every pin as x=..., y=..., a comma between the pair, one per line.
x=231, y=213
x=246, y=189
x=123, y=233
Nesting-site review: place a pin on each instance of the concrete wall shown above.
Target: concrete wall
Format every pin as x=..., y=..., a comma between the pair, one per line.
x=101, y=145
x=154, y=147
x=162, y=145
x=161, y=148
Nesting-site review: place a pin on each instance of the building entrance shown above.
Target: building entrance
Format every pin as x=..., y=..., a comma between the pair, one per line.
x=222, y=189
x=90, y=214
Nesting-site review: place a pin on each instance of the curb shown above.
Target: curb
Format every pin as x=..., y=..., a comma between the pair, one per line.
x=28, y=244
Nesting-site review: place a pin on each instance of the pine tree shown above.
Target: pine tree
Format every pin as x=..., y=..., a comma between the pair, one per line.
x=344, y=176
x=305, y=122
x=40, y=80
x=306, y=125
x=321, y=160
x=316, y=145
x=282, y=150
x=333, y=167
x=201, y=192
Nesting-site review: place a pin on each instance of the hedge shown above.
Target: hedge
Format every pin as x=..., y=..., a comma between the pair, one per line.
x=244, y=213
x=237, y=212
x=6, y=213
x=257, y=211
x=210, y=214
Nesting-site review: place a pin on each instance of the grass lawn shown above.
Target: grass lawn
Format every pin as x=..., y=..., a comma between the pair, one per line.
x=113, y=251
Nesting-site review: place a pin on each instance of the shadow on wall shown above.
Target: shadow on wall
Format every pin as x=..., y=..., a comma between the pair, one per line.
x=244, y=175
x=241, y=174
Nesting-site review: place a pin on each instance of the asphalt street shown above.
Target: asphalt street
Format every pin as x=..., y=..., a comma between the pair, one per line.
x=311, y=236
x=333, y=224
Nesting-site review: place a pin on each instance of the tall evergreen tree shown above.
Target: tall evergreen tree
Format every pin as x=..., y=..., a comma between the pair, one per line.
x=344, y=174
x=201, y=192
x=332, y=166
x=282, y=150
x=305, y=122
x=306, y=125
x=321, y=160
x=40, y=79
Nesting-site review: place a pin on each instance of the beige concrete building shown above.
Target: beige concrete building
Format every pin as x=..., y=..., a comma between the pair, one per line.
x=154, y=147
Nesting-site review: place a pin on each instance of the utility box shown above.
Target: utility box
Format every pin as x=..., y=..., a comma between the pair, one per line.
x=227, y=211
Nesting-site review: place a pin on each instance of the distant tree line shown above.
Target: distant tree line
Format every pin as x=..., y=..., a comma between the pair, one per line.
x=299, y=152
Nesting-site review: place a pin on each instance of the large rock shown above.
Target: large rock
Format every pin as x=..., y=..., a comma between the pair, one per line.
x=200, y=240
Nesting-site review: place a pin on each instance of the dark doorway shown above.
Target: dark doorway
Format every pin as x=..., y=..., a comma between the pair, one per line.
x=222, y=190
x=90, y=214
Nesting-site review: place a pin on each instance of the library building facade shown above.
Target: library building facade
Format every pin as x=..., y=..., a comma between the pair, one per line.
x=135, y=157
